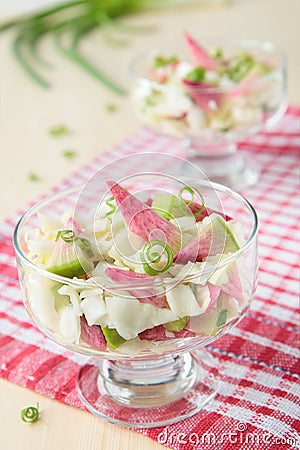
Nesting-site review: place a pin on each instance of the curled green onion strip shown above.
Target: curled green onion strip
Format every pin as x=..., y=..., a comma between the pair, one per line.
x=69, y=236
x=65, y=235
x=189, y=202
x=111, y=205
x=30, y=414
x=150, y=256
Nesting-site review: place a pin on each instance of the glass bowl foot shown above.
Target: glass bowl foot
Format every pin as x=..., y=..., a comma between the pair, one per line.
x=223, y=165
x=148, y=393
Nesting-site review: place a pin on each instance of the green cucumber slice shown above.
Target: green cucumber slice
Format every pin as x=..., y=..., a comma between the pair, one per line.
x=176, y=325
x=112, y=337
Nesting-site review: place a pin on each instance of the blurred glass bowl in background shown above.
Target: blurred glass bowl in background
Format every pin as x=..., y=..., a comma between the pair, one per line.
x=211, y=97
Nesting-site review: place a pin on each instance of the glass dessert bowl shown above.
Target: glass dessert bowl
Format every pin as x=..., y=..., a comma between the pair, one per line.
x=211, y=97
x=140, y=275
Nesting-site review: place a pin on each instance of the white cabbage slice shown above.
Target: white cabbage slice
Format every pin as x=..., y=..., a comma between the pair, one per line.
x=69, y=324
x=182, y=301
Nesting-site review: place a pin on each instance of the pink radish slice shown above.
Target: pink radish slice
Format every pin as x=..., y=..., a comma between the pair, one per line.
x=184, y=334
x=214, y=292
x=92, y=335
x=144, y=221
x=194, y=208
x=250, y=84
x=199, y=248
x=204, y=94
x=146, y=295
x=199, y=55
x=233, y=286
x=157, y=333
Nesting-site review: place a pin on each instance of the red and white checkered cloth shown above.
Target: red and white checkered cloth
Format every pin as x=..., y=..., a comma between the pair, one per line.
x=258, y=403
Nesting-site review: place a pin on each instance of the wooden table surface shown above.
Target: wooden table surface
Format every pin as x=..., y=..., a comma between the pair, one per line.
x=79, y=102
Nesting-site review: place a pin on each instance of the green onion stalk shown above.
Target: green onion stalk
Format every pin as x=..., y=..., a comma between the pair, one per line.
x=68, y=23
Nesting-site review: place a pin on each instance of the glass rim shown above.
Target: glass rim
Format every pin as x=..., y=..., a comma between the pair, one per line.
x=264, y=45
x=136, y=285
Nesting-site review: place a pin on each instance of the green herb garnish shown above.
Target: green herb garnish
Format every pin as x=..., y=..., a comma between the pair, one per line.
x=32, y=176
x=150, y=256
x=69, y=236
x=241, y=67
x=69, y=154
x=161, y=61
x=65, y=235
x=111, y=107
x=187, y=203
x=112, y=206
x=60, y=130
x=30, y=414
x=197, y=75
x=217, y=53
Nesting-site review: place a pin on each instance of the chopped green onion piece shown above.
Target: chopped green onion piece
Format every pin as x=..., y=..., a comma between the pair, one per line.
x=188, y=202
x=69, y=154
x=160, y=61
x=150, y=256
x=222, y=318
x=217, y=53
x=112, y=206
x=30, y=414
x=111, y=107
x=32, y=176
x=65, y=235
x=85, y=245
x=190, y=191
x=196, y=75
x=242, y=66
x=60, y=130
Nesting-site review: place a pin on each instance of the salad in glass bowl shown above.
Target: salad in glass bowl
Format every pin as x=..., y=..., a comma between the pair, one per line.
x=139, y=274
x=211, y=96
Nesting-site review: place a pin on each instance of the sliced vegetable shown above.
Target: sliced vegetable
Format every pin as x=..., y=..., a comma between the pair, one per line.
x=177, y=325
x=71, y=256
x=144, y=295
x=92, y=335
x=205, y=95
x=216, y=238
x=112, y=337
x=199, y=56
x=143, y=220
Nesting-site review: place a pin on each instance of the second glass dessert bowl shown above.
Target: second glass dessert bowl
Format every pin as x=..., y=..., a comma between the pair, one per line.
x=211, y=95
x=140, y=275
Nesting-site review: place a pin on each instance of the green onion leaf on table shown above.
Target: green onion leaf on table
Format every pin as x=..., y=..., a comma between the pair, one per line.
x=68, y=23
x=32, y=176
x=69, y=154
x=60, y=130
